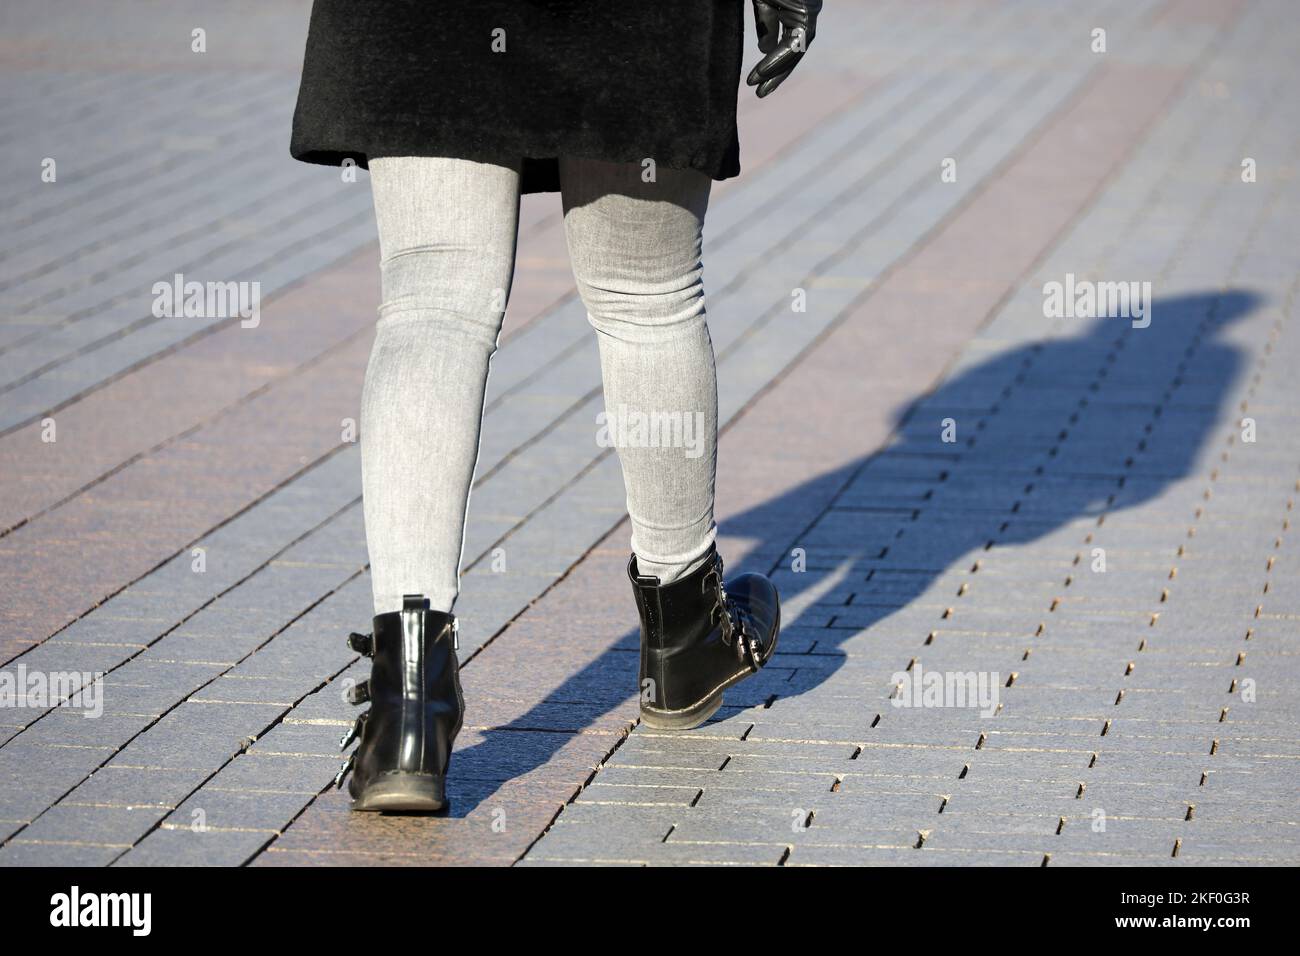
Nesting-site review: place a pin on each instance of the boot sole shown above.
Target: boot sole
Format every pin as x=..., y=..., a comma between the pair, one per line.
x=687, y=719
x=693, y=717
x=403, y=793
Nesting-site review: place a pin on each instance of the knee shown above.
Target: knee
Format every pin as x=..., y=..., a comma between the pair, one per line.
x=643, y=307
x=459, y=290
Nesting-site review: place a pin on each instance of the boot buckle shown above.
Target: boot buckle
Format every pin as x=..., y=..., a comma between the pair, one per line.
x=358, y=726
x=343, y=770
x=359, y=693
x=719, y=614
x=737, y=626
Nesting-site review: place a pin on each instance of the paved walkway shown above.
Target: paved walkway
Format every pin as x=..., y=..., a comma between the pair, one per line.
x=1089, y=518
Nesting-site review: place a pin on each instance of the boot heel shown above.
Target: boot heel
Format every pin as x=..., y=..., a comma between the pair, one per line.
x=403, y=793
x=416, y=710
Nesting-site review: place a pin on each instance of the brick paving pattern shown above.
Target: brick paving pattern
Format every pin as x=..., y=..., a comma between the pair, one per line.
x=935, y=472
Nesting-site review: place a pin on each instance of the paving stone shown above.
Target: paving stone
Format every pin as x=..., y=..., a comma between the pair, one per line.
x=136, y=786
x=277, y=773
x=186, y=847
x=219, y=809
x=118, y=826
x=18, y=853
x=66, y=726
x=198, y=735
x=811, y=855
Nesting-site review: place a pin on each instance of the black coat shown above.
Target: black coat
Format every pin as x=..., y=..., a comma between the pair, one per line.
x=621, y=80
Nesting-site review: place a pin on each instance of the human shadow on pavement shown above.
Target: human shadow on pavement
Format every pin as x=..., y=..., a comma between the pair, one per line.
x=1092, y=389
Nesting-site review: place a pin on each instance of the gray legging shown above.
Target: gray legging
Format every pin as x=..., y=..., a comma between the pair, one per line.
x=447, y=235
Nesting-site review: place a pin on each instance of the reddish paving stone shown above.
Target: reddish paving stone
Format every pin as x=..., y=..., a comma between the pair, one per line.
x=125, y=417
x=58, y=571
x=489, y=822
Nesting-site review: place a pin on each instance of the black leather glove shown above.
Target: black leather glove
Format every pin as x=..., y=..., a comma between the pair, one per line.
x=799, y=18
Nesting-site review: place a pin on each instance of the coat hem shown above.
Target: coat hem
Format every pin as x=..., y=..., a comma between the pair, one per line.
x=539, y=160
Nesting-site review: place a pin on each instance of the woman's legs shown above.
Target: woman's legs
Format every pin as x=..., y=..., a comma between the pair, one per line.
x=447, y=235
x=635, y=249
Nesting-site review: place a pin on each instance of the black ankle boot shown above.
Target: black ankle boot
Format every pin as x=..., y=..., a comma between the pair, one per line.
x=416, y=709
x=698, y=638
